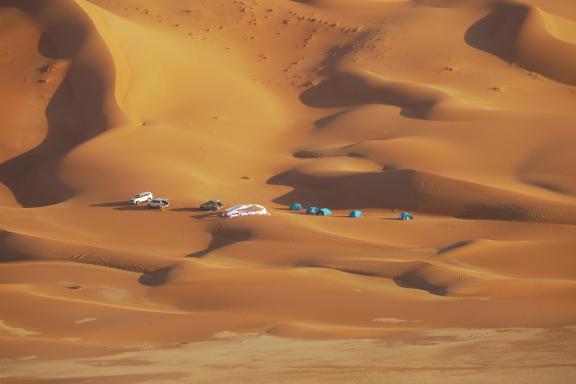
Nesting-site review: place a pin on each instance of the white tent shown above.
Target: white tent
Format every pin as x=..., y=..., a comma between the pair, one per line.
x=245, y=210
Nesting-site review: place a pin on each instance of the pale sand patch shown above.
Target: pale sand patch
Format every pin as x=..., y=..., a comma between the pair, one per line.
x=440, y=356
x=85, y=320
x=393, y=320
x=15, y=331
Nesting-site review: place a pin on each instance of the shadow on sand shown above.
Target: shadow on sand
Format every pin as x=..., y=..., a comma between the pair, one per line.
x=212, y=215
x=187, y=210
x=222, y=239
x=122, y=206
x=155, y=278
x=75, y=113
x=112, y=204
x=135, y=208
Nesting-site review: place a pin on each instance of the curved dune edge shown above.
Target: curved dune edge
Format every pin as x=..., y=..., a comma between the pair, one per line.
x=541, y=169
x=123, y=103
x=455, y=270
x=101, y=19
x=424, y=192
x=18, y=247
x=234, y=276
x=486, y=254
x=85, y=98
x=348, y=88
x=523, y=34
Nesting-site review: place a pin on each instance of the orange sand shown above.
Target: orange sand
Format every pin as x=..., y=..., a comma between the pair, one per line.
x=460, y=111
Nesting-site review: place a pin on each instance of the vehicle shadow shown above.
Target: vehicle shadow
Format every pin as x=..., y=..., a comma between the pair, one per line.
x=111, y=204
x=133, y=208
x=122, y=206
x=187, y=210
x=206, y=215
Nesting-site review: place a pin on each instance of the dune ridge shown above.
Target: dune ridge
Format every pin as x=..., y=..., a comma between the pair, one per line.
x=524, y=34
x=17, y=247
x=460, y=112
x=413, y=190
x=87, y=89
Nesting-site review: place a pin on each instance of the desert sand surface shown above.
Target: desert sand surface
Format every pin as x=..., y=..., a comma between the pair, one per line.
x=462, y=112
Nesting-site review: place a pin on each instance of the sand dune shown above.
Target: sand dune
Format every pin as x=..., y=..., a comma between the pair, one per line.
x=460, y=111
x=349, y=89
x=412, y=190
x=87, y=89
x=523, y=34
x=17, y=247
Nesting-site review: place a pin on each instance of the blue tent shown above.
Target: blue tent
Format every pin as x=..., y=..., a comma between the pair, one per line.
x=312, y=211
x=355, y=213
x=296, y=207
x=324, y=212
x=406, y=216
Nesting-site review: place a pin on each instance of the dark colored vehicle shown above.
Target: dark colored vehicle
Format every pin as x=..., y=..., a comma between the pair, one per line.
x=211, y=205
x=158, y=203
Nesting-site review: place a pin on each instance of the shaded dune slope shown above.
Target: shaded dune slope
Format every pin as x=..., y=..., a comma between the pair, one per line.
x=414, y=190
x=18, y=247
x=546, y=169
x=513, y=31
x=523, y=34
x=450, y=269
x=349, y=89
x=82, y=107
x=237, y=257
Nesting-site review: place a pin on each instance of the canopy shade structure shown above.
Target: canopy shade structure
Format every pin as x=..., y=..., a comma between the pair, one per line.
x=246, y=210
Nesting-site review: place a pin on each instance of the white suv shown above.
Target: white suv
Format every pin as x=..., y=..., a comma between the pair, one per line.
x=141, y=198
x=158, y=203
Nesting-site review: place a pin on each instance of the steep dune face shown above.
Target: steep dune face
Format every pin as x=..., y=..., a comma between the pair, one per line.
x=459, y=111
x=350, y=89
x=93, y=98
x=18, y=247
x=81, y=107
x=411, y=190
x=397, y=149
x=523, y=34
x=544, y=169
x=197, y=90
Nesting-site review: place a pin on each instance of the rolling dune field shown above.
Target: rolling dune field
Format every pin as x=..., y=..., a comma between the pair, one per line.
x=462, y=112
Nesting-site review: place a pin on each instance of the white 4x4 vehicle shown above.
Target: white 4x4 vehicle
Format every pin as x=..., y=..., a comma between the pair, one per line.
x=158, y=203
x=141, y=198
